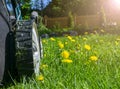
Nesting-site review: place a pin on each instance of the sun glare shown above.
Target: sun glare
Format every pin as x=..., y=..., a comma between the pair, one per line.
x=116, y=3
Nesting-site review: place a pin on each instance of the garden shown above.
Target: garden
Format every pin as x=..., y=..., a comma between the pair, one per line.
x=79, y=55
x=90, y=61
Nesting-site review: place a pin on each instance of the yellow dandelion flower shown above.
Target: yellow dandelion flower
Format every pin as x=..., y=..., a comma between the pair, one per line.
x=69, y=37
x=93, y=58
x=40, y=78
x=87, y=47
x=118, y=39
x=67, y=61
x=65, y=54
x=66, y=43
x=73, y=40
x=52, y=39
x=44, y=41
x=116, y=43
x=45, y=55
x=85, y=39
x=61, y=45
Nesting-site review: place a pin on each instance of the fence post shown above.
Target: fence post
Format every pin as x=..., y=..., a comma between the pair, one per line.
x=75, y=19
x=45, y=20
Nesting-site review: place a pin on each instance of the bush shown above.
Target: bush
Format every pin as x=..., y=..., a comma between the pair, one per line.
x=42, y=29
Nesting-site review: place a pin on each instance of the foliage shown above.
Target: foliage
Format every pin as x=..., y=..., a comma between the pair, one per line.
x=56, y=28
x=81, y=27
x=96, y=68
x=28, y=7
x=25, y=9
x=53, y=8
x=79, y=7
x=42, y=29
x=71, y=20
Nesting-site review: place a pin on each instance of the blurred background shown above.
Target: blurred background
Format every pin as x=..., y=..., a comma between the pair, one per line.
x=76, y=14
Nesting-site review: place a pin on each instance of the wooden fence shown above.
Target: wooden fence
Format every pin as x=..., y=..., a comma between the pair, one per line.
x=89, y=20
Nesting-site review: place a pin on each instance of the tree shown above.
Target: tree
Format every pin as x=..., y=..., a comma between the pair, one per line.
x=53, y=9
x=26, y=9
x=30, y=5
x=78, y=7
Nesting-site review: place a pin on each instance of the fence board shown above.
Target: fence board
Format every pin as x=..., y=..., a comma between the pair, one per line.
x=90, y=20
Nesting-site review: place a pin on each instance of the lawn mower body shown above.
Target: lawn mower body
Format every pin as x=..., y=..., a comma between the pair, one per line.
x=20, y=49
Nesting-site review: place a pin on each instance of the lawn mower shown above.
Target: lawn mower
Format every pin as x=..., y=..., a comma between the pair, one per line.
x=20, y=44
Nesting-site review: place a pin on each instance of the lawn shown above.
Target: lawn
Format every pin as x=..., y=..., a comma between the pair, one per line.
x=80, y=62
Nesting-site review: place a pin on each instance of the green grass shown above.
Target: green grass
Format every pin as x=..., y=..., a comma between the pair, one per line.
x=82, y=72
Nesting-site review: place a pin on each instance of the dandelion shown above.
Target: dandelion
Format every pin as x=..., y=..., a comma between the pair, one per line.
x=93, y=58
x=118, y=39
x=87, y=47
x=61, y=45
x=40, y=78
x=73, y=40
x=44, y=41
x=66, y=43
x=65, y=54
x=69, y=37
x=116, y=43
x=85, y=39
x=45, y=55
x=67, y=61
x=52, y=39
